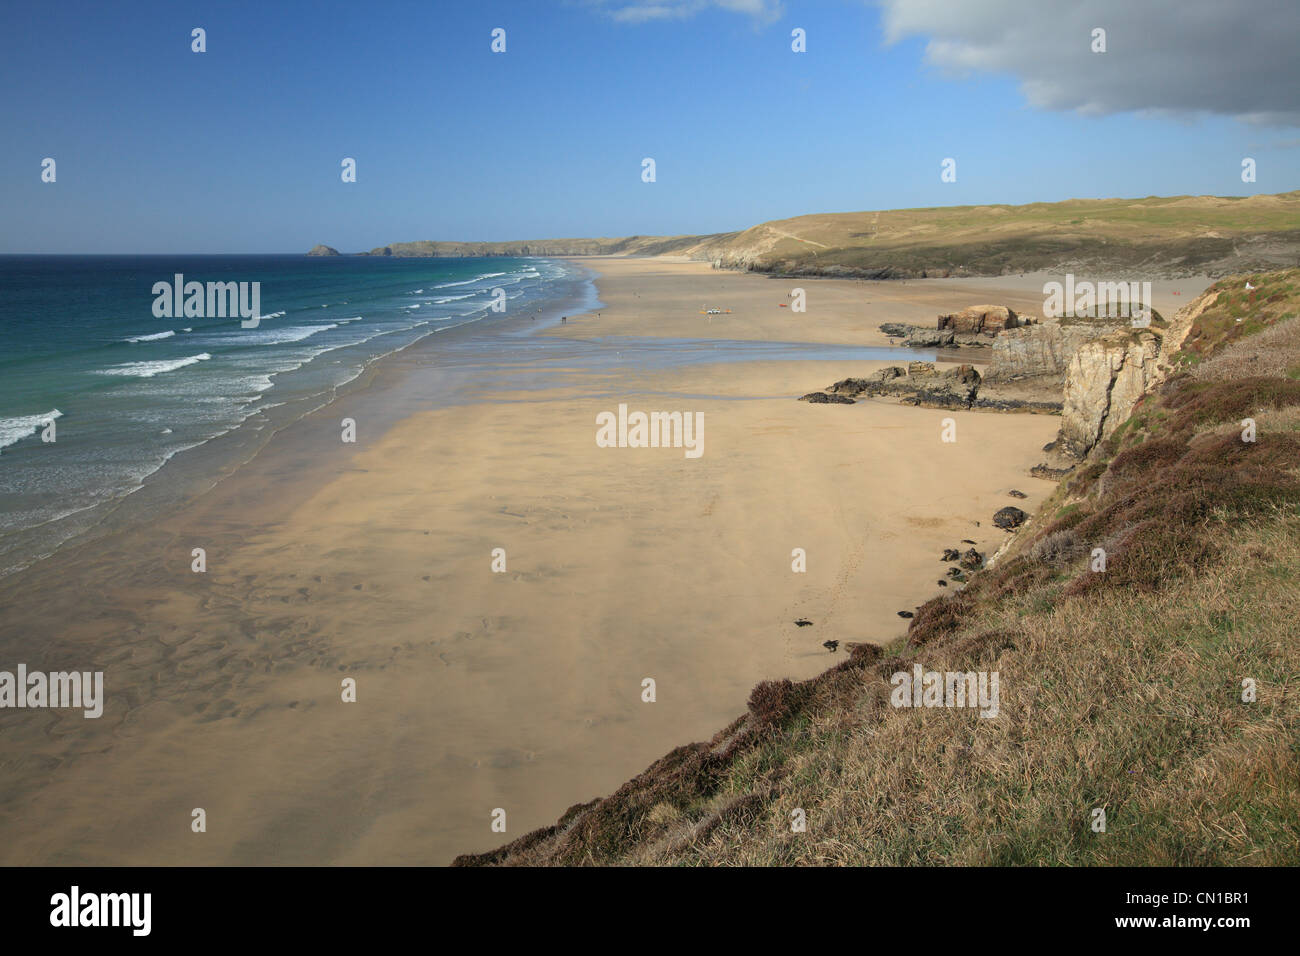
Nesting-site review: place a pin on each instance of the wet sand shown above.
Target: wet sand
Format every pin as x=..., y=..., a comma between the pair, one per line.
x=479, y=690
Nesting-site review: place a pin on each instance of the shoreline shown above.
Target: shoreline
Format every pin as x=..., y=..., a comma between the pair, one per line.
x=480, y=690
x=187, y=474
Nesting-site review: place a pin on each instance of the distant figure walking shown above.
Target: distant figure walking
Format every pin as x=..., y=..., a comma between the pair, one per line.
x=564, y=318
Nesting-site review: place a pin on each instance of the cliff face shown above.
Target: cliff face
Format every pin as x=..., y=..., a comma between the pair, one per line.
x=1033, y=351
x=1107, y=376
x=1105, y=379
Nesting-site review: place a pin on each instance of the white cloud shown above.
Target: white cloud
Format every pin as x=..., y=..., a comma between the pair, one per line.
x=1236, y=58
x=642, y=11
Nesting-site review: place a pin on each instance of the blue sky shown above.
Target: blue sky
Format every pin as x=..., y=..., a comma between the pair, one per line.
x=238, y=149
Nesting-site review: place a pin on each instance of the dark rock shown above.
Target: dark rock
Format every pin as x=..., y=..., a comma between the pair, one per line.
x=951, y=554
x=942, y=583
x=1017, y=494
x=955, y=573
x=922, y=385
x=821, y=398
x=1017, y=405
x=831, y=646
x=803, y=622
x=1009, y=518
x=897, y=329
x=972, y=560
x=1051, y=474
x=968, y=540
x=906, y=614
x=929, y=339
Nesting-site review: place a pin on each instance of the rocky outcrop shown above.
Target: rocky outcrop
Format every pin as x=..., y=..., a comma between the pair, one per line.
x=1033, y=351
x=1105, y=379
x=323, y=251
x=980, y=319
x=976, y=326
x=920, y=383
x=915, y=337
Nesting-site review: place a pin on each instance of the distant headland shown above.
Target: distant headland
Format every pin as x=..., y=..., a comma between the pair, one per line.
x=1165, y=236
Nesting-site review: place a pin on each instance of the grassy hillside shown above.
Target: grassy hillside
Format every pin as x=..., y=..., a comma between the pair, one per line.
x=1180, y=235
x=1119, y=689
x=1184, y=234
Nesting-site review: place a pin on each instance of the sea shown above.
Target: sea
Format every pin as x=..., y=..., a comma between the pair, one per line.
x=98, y=392
x=111, y=412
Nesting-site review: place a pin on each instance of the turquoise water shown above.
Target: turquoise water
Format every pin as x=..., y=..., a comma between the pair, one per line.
x=80, y=345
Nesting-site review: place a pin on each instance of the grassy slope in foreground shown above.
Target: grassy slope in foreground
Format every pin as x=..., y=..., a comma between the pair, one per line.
x=1179, y=235
x=1120, y=690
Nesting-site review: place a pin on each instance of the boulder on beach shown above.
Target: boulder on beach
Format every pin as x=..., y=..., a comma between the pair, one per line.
x=1009, y=518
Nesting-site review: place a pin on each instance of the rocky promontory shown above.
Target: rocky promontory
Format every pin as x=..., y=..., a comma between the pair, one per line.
x=974, y=327
x=320, y=250
x=923, y=385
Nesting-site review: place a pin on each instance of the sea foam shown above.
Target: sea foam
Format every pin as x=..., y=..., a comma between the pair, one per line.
x=13, y=430
x=150, y=338
x=150, y=369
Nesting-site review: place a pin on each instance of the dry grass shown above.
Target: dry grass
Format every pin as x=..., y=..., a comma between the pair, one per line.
x=1133, y=707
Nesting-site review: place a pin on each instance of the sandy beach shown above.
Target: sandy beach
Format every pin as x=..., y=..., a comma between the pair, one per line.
x=478, y=690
